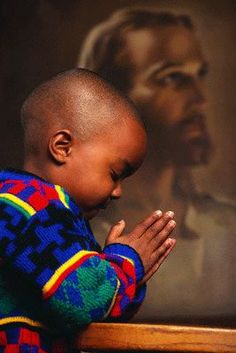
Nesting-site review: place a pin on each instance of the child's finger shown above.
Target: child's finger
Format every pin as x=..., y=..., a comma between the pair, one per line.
x=115, y=232
x=163, y=252
x=146, y=223
x=158, y=257
x=161, y=237
x=160, y=225
x=160, y=254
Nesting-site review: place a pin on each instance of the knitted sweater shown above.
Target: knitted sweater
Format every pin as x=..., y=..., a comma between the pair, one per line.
x=53, y=272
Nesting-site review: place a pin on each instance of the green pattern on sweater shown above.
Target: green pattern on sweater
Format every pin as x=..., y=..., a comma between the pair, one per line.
x=93, y=288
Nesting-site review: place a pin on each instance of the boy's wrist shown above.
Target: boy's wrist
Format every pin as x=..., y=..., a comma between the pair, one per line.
x=128, y=252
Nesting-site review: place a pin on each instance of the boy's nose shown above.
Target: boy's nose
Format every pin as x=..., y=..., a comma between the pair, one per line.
x=117, y=191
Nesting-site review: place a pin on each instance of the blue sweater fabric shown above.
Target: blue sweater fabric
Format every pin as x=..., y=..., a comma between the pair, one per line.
x=53, y=275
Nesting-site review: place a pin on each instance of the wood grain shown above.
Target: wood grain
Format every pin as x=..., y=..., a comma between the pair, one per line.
x=145, y=337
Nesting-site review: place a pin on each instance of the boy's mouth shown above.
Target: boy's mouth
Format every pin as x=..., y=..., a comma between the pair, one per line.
x=89, y=214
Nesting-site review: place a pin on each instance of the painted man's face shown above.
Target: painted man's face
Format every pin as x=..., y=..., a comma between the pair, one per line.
x=167, y=84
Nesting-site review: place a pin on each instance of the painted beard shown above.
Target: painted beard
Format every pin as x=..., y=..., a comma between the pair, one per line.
x=185, y=143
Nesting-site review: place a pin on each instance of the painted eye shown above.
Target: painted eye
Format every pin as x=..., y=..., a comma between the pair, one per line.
x=174, y=78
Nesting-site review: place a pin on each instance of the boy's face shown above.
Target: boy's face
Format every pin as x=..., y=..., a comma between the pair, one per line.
x=98, y=166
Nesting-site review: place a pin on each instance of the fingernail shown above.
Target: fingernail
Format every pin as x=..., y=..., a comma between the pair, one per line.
x=121, y=221
x=158, y=213
x=172, y=223
x=171, y=241
x=170, y=214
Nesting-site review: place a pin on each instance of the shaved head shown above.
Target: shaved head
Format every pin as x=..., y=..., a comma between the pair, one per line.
x=82, y=134
x=77, y=100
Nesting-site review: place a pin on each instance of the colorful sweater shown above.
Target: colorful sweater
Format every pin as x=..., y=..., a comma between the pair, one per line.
x=53, y=272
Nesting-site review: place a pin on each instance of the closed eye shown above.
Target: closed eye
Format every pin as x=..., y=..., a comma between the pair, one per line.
x=120, y=173
x=115, y=176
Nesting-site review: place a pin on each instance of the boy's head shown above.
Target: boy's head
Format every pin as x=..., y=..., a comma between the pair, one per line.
x=82, y=134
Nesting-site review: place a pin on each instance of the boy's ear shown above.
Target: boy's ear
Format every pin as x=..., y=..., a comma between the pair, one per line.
x=60, y=146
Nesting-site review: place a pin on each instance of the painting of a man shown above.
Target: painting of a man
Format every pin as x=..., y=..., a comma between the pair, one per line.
x=156, y=59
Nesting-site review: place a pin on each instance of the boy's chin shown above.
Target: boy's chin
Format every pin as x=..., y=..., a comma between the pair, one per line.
x=89, y=214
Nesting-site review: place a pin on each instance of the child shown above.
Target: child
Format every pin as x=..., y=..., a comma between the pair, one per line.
x=82, y=138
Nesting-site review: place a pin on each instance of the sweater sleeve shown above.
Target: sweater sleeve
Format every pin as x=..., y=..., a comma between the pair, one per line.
x=133, y=305
x=55, y=250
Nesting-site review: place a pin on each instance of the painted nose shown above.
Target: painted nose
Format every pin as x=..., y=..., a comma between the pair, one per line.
x=117, y=191
x=198, y=97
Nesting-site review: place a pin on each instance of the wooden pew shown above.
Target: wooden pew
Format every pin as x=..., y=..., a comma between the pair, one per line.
x=156, y=338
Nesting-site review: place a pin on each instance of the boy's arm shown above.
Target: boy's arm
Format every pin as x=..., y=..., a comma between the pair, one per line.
x=129, y=298
x=55, y=252
x=78, y=285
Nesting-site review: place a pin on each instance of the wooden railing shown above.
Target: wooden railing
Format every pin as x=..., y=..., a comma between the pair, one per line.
x=156, y=338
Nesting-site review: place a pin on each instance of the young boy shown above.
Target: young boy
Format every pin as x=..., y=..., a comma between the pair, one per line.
x=82, y=138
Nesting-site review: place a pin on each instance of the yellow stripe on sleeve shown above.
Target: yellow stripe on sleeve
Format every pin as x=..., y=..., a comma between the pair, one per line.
x=113, y=300
x=62, y=195
x=128, y=259
x=18, y=203
x=63, y=268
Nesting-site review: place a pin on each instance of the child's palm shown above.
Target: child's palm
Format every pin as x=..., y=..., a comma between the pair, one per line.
x=150, y=238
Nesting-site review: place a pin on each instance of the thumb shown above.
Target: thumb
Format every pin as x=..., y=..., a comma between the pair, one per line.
x=115, y=232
